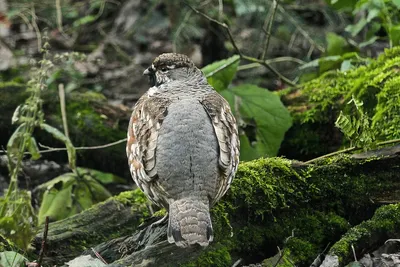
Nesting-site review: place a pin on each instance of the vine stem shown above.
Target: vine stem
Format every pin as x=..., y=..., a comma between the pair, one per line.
x=350, y=149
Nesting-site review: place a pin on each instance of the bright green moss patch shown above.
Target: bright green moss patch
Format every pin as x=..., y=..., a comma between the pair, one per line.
x=374, y=232
x=316, y=105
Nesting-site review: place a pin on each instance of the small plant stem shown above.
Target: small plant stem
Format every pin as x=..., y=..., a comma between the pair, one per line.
x=61, y=93
x=268, y=31
x=350, y=149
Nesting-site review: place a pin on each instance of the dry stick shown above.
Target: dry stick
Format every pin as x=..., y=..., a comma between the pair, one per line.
x=248, y=58
x=35, y=26
x=99, y=256
x=56, y=149
x=223, y=25
x=53, y=149
x=61, y=93
x=42, y=248
x=59, y=16
x=268, y=31
x=350, y=149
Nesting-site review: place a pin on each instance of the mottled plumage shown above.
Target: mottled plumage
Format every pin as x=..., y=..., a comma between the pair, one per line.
x=183, y=147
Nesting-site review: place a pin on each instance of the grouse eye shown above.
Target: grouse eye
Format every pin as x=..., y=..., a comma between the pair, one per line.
x=164, y=69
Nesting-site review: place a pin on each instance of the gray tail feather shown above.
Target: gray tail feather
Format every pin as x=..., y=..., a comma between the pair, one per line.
x=189, y=223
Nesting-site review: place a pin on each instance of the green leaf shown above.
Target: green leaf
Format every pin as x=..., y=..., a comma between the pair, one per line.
x=15, y=140
x=33, y=149
x=102, y=177
x=394, y=35
x=396, y=3
x=221, y=73
x=69, y=194
x=264, y=110
x=85, y=20
x=356, y=28
x=12, y=259
x=60, y=136
x=336, y=45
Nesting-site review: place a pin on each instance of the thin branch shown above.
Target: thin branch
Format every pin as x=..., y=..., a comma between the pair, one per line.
x=302, y=31
x=53, y=149
x=36, y=27
x=99, y=256
x=248, y=58
x=268, y=31
x=350, y=149
x=61, y=93
x=272, y=69
x=220, y=24
x=270, y=61
x=43, y=247
x=59, y=16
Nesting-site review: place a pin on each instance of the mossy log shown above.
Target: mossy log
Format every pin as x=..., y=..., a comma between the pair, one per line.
x=316, y=105
x=270, y=200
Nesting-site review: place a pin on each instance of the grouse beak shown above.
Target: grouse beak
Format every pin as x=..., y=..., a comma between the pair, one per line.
x=147, y=71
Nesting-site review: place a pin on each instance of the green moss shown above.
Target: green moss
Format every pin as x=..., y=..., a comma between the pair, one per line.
x=132, y=197
x=269, y=200
x=319, y=102
x=383, y=225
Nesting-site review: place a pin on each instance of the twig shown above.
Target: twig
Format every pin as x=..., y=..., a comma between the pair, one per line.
x=272, y=69
x=237, y=263
x=268, y=31
x=52, y=149
x=350, y=149
x=248, y=58
x=61, y=93
x=35, y=26
x=59, y=16
x=99, y=256
x=354, y=253
x=42, y=248
x=56, y=149
x=302, y=31
x=223, y=25
x=273, y=60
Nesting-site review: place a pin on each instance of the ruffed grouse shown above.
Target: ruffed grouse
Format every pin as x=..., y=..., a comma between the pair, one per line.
x=183, y=147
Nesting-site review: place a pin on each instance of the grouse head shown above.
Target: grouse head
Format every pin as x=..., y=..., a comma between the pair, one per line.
x=170, y=67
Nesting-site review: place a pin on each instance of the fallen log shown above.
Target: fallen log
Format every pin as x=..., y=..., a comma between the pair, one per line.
x=270, y=200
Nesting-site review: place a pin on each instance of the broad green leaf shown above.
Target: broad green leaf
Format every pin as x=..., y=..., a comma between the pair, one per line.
x=220, y=74
x=69, y=194
x=336, y=45
x=12, y=259
x=60, y=136
x=271, y=118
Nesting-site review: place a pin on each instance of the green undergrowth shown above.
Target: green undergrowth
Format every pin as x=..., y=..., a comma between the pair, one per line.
x=275, y=202
x=318, y=104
